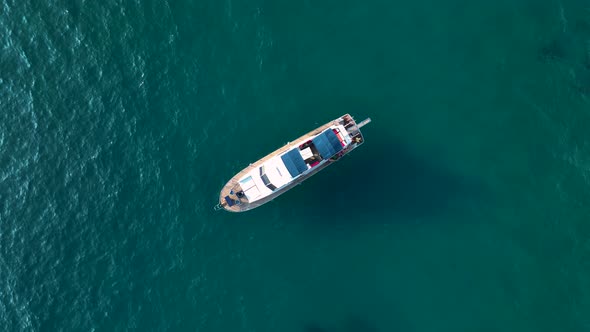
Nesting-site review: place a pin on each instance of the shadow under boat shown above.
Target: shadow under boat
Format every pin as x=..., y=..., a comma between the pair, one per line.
x=382, y=178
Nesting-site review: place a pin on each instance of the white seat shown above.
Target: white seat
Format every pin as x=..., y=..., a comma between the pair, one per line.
x=306, y=153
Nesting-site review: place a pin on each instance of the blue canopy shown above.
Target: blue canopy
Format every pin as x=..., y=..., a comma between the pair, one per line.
x=294, y=162
x=327, y=144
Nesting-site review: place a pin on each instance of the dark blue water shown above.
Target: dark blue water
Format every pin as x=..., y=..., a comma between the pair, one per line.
x=466, y=210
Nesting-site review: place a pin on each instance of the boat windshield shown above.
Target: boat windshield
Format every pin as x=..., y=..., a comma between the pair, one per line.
x=265, y=179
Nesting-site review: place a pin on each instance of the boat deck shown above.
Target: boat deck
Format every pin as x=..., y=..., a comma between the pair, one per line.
x=231, y=189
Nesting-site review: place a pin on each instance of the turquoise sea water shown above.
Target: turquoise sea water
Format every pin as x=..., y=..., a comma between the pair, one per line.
x=467, y=209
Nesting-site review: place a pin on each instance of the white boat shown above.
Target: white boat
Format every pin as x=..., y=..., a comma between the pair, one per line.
x=288, y=166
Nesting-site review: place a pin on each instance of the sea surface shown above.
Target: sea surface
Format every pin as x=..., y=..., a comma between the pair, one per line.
x=467, y=209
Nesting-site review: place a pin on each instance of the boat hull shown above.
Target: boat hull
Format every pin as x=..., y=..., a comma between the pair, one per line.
x=242, y=204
